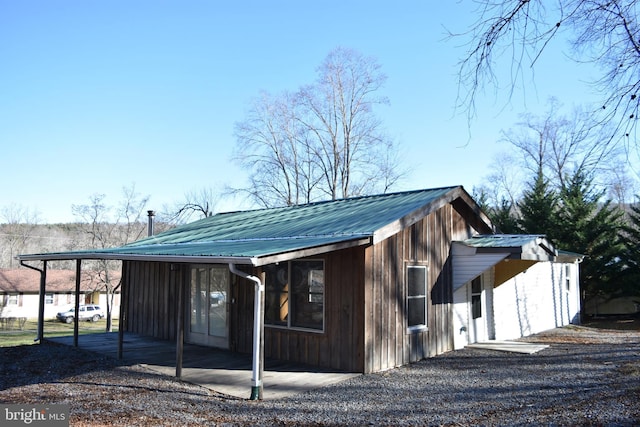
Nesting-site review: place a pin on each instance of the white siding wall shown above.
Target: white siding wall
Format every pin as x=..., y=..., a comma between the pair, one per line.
x=30, y=302
x=462, y=327
x=531, y=302
x=536, y=300
x=461, y=317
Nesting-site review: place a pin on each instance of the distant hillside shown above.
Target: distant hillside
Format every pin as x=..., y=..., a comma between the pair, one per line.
x=18, y=239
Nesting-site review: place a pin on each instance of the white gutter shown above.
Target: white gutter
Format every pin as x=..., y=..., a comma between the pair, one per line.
x=258, y=326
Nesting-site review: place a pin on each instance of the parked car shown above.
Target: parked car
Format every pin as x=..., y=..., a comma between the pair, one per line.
x=91, y=313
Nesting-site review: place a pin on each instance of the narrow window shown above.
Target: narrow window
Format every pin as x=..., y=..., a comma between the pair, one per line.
x=48, y=298
x=476, y=298
x=567, y=275
x=276, y=294
x=417, y=296
x=307, y=294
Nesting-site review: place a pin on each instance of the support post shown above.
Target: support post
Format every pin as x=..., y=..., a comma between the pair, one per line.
x=121, y=319
x=43, y=285
x=75, y=318
x=180, y=281
x=43, y=289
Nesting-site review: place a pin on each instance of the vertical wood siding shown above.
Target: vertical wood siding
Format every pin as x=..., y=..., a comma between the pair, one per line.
x=340, y=345
x=387, y=341
x=151, y=292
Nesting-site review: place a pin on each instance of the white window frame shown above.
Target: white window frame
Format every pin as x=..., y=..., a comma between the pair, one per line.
x=13, y=298
x=417, y=296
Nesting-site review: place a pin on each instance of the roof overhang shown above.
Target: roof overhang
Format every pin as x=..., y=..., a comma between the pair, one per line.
x=213, y=252
x=478, y=254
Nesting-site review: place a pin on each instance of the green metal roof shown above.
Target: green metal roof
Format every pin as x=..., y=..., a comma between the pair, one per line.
x=502, y=240
x=534, y=247
x=244, y=236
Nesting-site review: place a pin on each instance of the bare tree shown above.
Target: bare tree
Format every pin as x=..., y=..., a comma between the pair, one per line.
x=200, y=203
x=323, y=141
x=275, y=148
x=601, y=32
x=559, y=145
x=18, y=224
x=111, y=226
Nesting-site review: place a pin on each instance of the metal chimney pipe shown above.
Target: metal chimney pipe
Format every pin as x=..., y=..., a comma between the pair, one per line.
x=150, y=227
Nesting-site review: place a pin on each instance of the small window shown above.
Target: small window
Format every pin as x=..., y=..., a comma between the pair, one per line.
x=48, y=298
x=567, y=277
x=476, y=298
x=13, y=299
x=416, y=297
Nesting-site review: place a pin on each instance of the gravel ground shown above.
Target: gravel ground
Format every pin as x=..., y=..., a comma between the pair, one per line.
x=586, y=377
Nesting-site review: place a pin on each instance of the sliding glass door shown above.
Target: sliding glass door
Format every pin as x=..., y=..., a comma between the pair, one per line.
x=209, y=306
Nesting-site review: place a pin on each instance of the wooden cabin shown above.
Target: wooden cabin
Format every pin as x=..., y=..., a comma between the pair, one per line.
x=360, y=285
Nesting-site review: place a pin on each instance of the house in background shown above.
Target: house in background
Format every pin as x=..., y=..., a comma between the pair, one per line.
x=362, y=284
x=20, y=290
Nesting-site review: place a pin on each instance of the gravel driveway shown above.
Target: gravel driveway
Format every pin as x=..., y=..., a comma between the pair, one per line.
x=586, y=377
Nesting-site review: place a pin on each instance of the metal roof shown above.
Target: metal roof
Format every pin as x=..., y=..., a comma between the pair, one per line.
x=502, y=240
x=519, y=246
x=243, y=237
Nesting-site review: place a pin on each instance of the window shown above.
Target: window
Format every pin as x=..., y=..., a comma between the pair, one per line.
x=48, y=298
x=294, y=294
x=13, y=299
x=567, y=273
x=476, y=298
x=417, y=296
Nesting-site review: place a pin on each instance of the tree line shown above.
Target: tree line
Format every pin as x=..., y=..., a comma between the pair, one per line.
x=561, y=175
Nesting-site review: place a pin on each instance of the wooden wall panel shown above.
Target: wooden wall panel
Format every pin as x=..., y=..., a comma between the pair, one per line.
x=388, y=344
x=152, y=289
x=340, y=345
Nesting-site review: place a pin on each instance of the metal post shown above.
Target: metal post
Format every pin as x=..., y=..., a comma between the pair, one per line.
x=43, y=286
x=77, y=304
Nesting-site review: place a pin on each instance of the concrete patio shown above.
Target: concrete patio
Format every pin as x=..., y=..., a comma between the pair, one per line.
x=219, y=370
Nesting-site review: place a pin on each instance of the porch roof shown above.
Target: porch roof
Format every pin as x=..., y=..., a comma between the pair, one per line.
x=534, y=247
x=263, y=236
x=474, y=256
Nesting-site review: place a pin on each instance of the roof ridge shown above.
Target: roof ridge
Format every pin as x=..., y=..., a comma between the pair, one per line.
x=345, y=199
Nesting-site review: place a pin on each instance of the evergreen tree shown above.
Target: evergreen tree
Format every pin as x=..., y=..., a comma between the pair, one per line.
x=630, y=285
x=539, y=209
x=593, y=229
x=504, y=218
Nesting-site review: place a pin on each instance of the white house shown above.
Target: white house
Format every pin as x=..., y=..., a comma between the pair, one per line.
x=20, y=290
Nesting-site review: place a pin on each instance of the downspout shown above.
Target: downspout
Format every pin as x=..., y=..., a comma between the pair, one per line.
x=43, y=281
x=258, y=325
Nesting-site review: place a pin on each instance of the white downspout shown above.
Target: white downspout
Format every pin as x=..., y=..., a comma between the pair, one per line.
x=258, y=324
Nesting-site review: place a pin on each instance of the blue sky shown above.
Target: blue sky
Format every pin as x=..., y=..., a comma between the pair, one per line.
x=99, y=95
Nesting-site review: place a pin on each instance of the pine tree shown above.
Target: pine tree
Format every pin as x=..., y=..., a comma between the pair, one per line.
x=504, y=218
x=631, y=254
x=539, y=209
x=591, y=228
